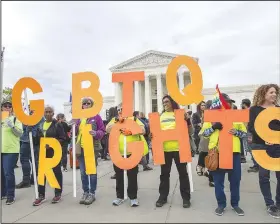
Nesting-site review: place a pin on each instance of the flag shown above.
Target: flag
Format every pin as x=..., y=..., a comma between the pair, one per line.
x=70, y=100
x=218, y=101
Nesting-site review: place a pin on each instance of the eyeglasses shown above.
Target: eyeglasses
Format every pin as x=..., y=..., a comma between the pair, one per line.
x=88, y=104
x=166, y=101
x=7, y=106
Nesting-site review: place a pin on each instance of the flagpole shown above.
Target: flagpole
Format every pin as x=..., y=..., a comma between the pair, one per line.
x=32, y=149
x=2, y=73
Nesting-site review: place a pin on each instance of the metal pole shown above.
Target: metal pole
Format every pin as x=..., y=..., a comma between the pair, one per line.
x=32, y=149
x=125, y=171
x=74, y=160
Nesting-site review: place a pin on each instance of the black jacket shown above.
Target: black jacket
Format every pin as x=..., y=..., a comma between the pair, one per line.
x=55, y=131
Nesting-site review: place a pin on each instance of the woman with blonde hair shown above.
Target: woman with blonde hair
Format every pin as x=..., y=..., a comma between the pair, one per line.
x=266, y=96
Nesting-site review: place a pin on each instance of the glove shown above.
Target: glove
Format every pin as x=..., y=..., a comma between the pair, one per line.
x=217, y=126
x=29, y=128
x=125, y=132
x=9, y=123
x=93, y=133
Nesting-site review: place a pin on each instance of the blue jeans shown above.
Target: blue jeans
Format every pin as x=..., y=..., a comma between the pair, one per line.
x=89, y=182
x=8, y=180
x=234, y=177
x=25, y=159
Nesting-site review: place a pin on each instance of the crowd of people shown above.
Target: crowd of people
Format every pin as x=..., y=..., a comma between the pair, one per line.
x=203, y=138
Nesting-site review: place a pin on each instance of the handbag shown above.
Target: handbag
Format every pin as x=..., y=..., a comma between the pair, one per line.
x=78, y=148
x=212, y=159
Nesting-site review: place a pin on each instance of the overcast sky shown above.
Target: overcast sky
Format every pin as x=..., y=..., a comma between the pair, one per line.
x=237, y=43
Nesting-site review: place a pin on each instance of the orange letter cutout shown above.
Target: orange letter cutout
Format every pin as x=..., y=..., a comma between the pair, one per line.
x=135, y=148
x=192, y=92
x=127, y=78
x=36, y=105
x=46, y=164
x=227, y=118
x=79, y=93
x=89, y=150
x=268, y=135
x=180, y=133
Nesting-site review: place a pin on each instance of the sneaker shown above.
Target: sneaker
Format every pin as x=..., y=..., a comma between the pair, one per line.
x=10, y=201
x=278, y=206
x=23, y=185
x=65, y=170
x=273, y=211
x=118, y=201
x=160, y=203
x=134, y=203
x=243, y=160
x=90, y=199
x=211, y=184
x=56, y=199
x=254, y=169
x=238, y=211
x=219, y=211
x=3, y=198
x=39, y=201
x=147, y=168
x=186, y=203
x=83, y=198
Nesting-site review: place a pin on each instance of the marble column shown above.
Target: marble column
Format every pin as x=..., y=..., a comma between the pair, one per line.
x=159, y=93
x=136, y=96
x=148, y=96
x=118, y=94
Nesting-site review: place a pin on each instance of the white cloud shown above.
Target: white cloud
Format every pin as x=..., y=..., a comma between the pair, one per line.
x=237, y=42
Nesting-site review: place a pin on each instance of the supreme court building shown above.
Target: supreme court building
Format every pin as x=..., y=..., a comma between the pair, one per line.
x=148, y=93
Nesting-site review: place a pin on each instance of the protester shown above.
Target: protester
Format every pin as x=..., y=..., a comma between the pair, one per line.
x=246, y=104
x=266, y=96
x=147, y=134
x=51, y=129
x=67, y=128
x=171, y=151
x=89, y=182
x=188, y=116
x=11, y=133
x=234, y=175
x=113, y=113
x=143, y=162
x=132, y=173
x=105, y=145
x=203, y=151
x=197, y=124
x=25, y=153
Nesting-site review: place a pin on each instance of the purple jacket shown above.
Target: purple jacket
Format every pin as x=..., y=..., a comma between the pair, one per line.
x=97, y=125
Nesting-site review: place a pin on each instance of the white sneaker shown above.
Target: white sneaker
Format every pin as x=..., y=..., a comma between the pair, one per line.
x=118, y=201
x=134, y=203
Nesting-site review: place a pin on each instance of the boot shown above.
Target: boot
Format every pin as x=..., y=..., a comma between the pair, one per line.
x=23, y=185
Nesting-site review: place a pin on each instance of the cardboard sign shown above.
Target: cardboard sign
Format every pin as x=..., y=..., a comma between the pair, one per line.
x=227, y=118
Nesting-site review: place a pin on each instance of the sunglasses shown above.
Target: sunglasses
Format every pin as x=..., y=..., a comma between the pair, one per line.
x=88, y=104
x=7, y=106
x=119, y=109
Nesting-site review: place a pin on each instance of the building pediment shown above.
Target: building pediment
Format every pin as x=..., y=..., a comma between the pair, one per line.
x=146, y=60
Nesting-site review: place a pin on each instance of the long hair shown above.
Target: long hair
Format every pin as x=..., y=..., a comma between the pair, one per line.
x=259, y=96
x=173, y=103
x=198, y=108
x=113, y=112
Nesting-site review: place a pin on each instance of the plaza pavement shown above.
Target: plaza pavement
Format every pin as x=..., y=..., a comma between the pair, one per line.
x=202, y=209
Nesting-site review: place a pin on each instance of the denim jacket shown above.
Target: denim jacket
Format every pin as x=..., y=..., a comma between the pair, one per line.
x=25, y=135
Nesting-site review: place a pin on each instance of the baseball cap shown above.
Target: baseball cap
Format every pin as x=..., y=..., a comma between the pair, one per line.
x=6, y=101
x=227, y=98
